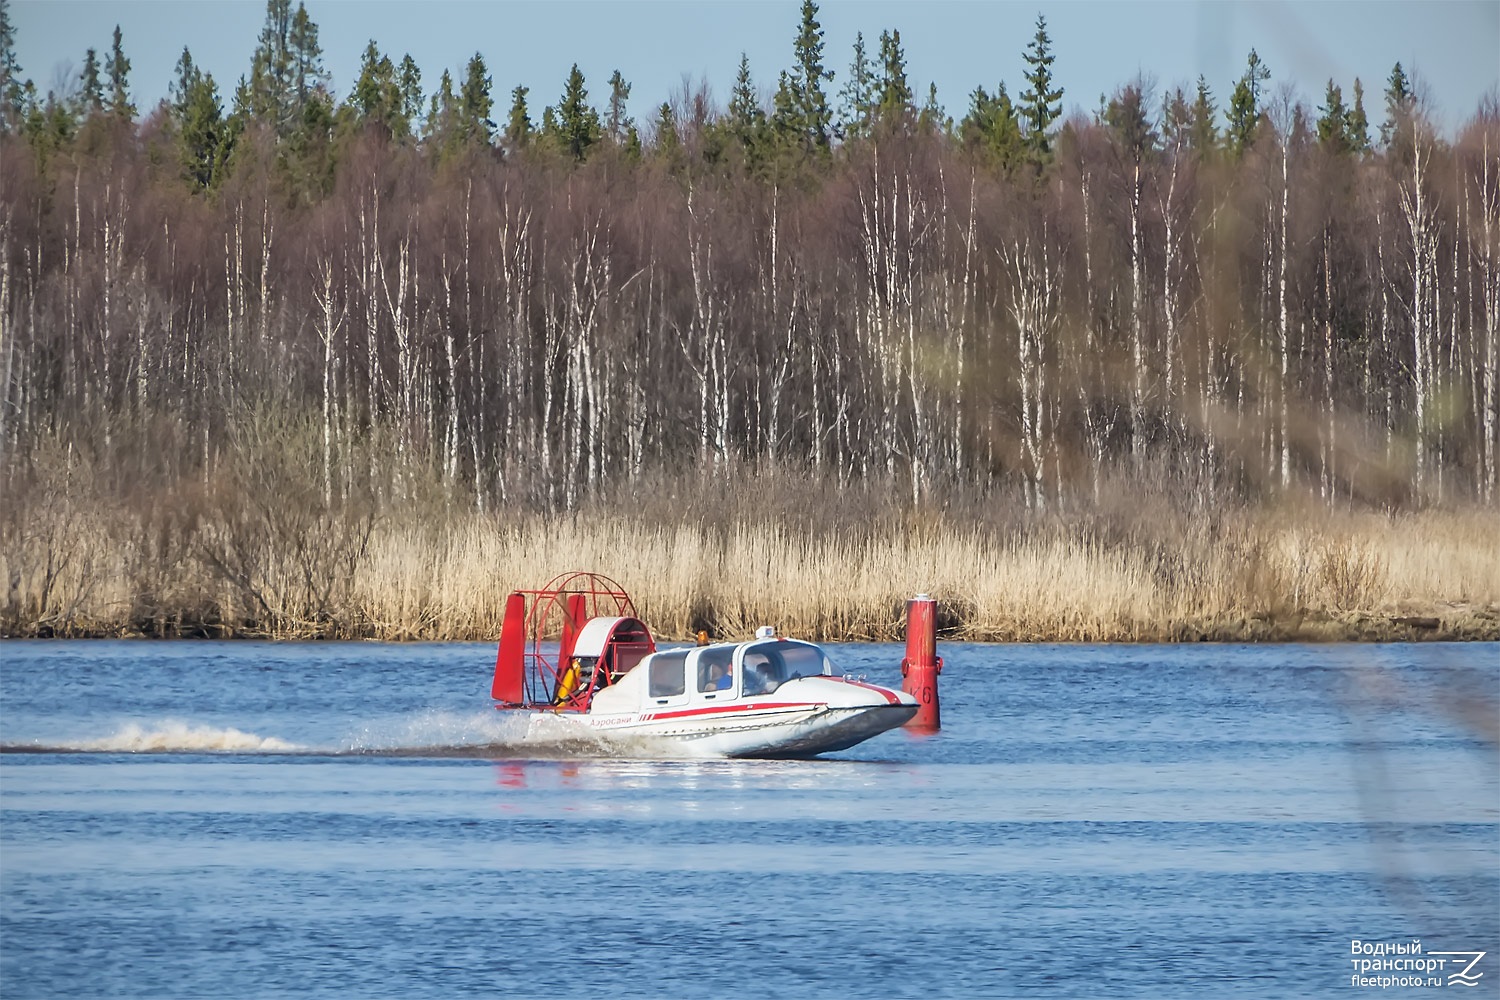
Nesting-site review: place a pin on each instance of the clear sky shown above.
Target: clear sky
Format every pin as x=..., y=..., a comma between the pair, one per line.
x=1451, y=46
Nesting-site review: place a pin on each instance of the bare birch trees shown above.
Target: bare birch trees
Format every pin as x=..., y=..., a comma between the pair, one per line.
x=535, y=332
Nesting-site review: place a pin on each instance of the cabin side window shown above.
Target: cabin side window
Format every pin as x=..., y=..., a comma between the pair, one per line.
x=668, y=674
x=715, y=670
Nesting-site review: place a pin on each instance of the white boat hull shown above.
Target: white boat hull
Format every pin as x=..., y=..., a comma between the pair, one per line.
x=770, y=729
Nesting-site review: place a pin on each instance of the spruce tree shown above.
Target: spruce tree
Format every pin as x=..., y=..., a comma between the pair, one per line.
x=1333, y=124
x=91, y=94
x=179, y=89
x=244, y=100
x=894, y=98
x=810, y=111
x=33, y=122
x=932, y=118
x=1398, y=104
x=1203, y=134
x=309, y=161
x=745, y=115
x=746, y=120
x=377, y=94
x=1176, y=120
x=857, y=99
x=1040, y=105
x=474, y=105
x=49, y=124
x=668, y=143
x=1357, y=124
x=119, y=73
x=409, y=80
x=441, y=126
x=786, y=123
x=197, y=116
x=268, y=97
x=518, y=124
x=1126, y=118
x=1244, y=106
x=307, y=72
x=12, y=89
x=619, y=93
x=577, y=124
x=1302, y=131
x=992, y=129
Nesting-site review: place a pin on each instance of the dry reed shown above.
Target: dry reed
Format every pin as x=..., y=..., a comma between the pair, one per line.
x=94, y=568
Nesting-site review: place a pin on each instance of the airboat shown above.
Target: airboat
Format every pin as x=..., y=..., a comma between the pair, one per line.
x=577, y=650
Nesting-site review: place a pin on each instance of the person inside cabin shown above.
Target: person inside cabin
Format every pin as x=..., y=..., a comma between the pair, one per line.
x=715, y=672
x=719, y=678
x=762, y=674
x=755, y=668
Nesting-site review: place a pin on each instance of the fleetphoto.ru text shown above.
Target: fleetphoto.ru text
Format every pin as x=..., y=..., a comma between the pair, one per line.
x=1403, y=964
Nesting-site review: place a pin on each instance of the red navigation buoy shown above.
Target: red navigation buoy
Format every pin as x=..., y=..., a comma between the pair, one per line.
x=920, y=668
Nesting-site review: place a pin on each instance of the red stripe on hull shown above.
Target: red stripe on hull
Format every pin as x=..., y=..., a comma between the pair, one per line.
x=728, y=709
x=890, y=696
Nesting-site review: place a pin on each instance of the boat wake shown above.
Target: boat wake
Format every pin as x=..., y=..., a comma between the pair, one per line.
x=170, y=736
x=538, y=736
x=499, y=735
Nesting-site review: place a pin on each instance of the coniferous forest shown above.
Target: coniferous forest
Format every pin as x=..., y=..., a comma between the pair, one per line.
x=1204, y=362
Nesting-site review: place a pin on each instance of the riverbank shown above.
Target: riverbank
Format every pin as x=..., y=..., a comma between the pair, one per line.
x=1251, y=574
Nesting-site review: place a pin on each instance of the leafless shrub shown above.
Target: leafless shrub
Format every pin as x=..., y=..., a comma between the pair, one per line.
x=1351, y=575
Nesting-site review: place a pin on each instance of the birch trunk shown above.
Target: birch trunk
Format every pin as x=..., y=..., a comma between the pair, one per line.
x=1489, y=353
x=8, y=394
x=1033, y=282
x=1137, y=321
x=327, y=332
x=1283, y=327
x=1416, y=211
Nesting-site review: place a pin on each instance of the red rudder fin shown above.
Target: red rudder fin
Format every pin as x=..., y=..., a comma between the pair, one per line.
x=510, y=663
x=573, y=620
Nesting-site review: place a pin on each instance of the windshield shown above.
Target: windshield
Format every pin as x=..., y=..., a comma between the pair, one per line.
x=768, y=665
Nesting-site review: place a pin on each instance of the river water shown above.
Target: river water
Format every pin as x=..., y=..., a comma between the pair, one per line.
x=245, y=820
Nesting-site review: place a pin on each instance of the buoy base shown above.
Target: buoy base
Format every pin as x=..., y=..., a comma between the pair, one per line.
x=920, y=681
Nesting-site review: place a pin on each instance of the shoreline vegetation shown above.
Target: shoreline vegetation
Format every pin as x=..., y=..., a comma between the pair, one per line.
x=301, y=361
x=257, y=557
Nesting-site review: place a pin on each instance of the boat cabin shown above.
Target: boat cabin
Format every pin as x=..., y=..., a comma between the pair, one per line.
x=708, y=675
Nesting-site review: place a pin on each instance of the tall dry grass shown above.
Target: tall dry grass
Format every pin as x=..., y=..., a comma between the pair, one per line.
x=222, y=564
